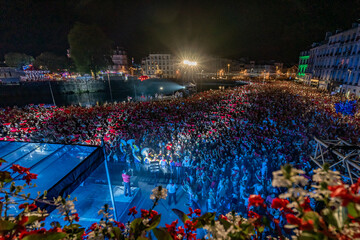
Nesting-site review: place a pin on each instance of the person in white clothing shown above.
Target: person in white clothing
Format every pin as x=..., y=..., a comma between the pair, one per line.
x=172, y=188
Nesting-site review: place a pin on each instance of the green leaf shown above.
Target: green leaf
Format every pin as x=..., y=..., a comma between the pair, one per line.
x=247, y=228
x=79, y=232
x=2, y=161
x=46, y=236
x=352, y=210
x=205, y=219
x=154, y=222
x=324, y=185
x=12, y=187
x=72, y=227
x=287, y=168
x=162, y=233
x=310, y=236
x=33, y=219
x=183, y=217
x=6, y=226
x=326, y=167
x=311, y=216
x=225, y=223
x=5, y=176
x=135, y=224
x=261, y=229
x=116, y=231
x=330, y=219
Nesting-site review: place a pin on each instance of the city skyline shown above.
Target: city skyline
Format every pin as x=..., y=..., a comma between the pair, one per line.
x=261, y=30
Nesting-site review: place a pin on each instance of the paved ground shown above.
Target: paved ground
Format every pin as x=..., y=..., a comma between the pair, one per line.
x=94, y=193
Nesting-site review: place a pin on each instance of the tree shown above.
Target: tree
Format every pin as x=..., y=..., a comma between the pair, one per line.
x=89, y=48
x=18, y=60
x=50, y=61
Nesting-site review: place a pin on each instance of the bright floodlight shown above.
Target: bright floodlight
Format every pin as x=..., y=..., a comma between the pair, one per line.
x=190, y=63
x=161, y=88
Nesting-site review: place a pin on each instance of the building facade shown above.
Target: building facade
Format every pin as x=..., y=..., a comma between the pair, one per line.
x=303, y=64
x=159, y=65
x=335, y=63
x=120, y=61
x=264, y=69
x=9, y=74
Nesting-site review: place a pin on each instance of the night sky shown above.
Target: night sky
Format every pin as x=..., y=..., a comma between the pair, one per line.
x=259, y=29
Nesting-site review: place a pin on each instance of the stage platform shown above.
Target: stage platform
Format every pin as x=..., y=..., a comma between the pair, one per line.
x=75, y=170
x=92, y=197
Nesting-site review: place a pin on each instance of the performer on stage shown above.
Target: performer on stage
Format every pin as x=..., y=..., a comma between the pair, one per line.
x=126, y=180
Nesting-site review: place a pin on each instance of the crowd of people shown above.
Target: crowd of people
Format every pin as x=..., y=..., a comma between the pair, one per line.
x=221, y=146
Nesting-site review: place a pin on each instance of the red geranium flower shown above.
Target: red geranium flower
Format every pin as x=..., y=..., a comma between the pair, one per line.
x=28, y=177
x=93, y=226
x=19, y=169
x=22, y=206
x=252, y=214
x=33, y=232
x=191, y=236
x=23, y=220
x=293, y=220
x=190, y=225
x=132, y=211
x=144, y=213
x=76, y=217
x=197, y=212
x=307, y=225
x=180, y=231
x=190, y=212
x=223, y=217
x=281, y=204
x=171, y=228
x=55, y=229
x=355, y=187
x=256, y=200
x=120, y=225
x=341, y=192
x=306, y=205
x=153, y=213
x=30, y=207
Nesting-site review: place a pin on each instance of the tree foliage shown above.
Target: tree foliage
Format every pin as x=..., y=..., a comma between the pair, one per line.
x=18, y=60
x=50, y=61
x=89, y=48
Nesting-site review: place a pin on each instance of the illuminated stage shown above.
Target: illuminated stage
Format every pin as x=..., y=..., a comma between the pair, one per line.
x=76, y=170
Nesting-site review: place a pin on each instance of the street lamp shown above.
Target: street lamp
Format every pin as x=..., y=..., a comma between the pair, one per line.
x=264, y=76
x=348, y=81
